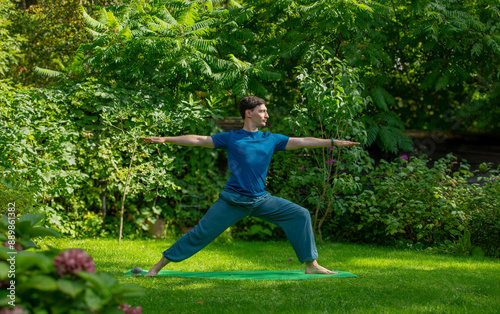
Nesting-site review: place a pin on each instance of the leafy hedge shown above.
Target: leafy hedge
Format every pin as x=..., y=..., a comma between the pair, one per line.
x=73, y=145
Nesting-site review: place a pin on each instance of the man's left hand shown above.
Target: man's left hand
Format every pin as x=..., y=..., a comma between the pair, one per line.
x=345, y=143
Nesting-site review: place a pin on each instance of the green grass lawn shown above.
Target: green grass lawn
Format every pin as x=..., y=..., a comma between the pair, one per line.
x=389, y=280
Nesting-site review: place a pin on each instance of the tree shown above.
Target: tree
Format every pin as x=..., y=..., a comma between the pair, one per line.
x=53, y=31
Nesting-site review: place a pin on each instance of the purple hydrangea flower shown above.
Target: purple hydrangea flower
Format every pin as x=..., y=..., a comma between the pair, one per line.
x=71, y=261
x=130, y=310
x=16, y=310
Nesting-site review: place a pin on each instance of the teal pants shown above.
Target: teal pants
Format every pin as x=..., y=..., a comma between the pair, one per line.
x=231, y=207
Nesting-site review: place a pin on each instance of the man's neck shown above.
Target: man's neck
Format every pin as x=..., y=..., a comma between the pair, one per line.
x=250, y=128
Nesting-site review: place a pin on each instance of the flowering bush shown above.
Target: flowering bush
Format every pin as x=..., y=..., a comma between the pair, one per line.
x=130, y=310
x=54, y=281
x=71, y=261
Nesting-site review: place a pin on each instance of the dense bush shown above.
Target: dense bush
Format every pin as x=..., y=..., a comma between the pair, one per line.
x=406, y=201
x=483, y=216
x=74, y=144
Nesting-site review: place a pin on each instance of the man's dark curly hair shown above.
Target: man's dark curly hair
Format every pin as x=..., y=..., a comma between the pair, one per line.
x=249, y=102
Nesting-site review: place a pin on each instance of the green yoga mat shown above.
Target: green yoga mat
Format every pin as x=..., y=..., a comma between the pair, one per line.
x=254, y=274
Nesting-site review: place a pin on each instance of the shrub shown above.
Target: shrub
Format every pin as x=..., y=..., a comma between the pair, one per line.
x=407, y=202
x=73, y=144
x=52, y=281
x=331, y=105
x=483, y=218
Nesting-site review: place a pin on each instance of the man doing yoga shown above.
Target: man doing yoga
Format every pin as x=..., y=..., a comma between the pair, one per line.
x=249, y=153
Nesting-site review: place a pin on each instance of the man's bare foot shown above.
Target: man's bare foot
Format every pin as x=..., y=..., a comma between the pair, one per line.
x=314, y=268
x=156, y=269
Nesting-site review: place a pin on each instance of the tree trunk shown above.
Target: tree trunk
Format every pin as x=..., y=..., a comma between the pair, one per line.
x=124, y=194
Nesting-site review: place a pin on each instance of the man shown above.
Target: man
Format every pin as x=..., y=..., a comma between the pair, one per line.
x=249, y=153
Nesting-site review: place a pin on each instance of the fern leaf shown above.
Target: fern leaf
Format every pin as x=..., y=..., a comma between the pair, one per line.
x=48, y=73
x=377, y=94
x=188, y=16
x=95, y=34
x=112, y=22
x=217, y=63
x=91, y=21
x=430, y=79
x=234, y=4
x=209, y=6
x=266, y=74
x=477, y=49
x=204, y=67
x=443, y=81
x=256, y=88
x=167, y=17
x=204, y=24
x=201, y=44
x=388, y=139
x=392, y=120
x=164, y=24
x=103, y=16
x=371, y=128
x=241, y=86
x=238, y=63
x=492, y=43
x=161, y=27
x=125, y=33
x=294, y=50
x=404, y=142
x=372, y=134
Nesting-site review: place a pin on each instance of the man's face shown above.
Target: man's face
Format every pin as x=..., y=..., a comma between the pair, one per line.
x=259, y=115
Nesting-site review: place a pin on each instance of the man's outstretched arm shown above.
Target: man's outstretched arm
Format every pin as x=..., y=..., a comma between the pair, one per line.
x=183, y=140
x=312, y=142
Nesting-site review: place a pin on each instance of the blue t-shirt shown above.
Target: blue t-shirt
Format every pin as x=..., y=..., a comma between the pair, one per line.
x=249, y=155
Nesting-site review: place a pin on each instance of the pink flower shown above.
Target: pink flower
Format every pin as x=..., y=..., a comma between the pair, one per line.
x=331, y=161
x=71, y=261
x=331, y=147
x=17, y=246
x=16, y=310
x=404, y=157
x=494, y=179
x=303, y=168
x=130, y=310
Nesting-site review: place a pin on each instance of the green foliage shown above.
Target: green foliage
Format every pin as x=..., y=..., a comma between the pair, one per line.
x=38, y=286
x=443, y=68
x=80, y=139
x=9, y=44
x=21, y=230
x=13, y=190
x=406, y=201
x=134, y=69
x=252, y=228
x=53, y=33
x=331, y=103
x=415, y=58
x=483, y=219
x=170, y=44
